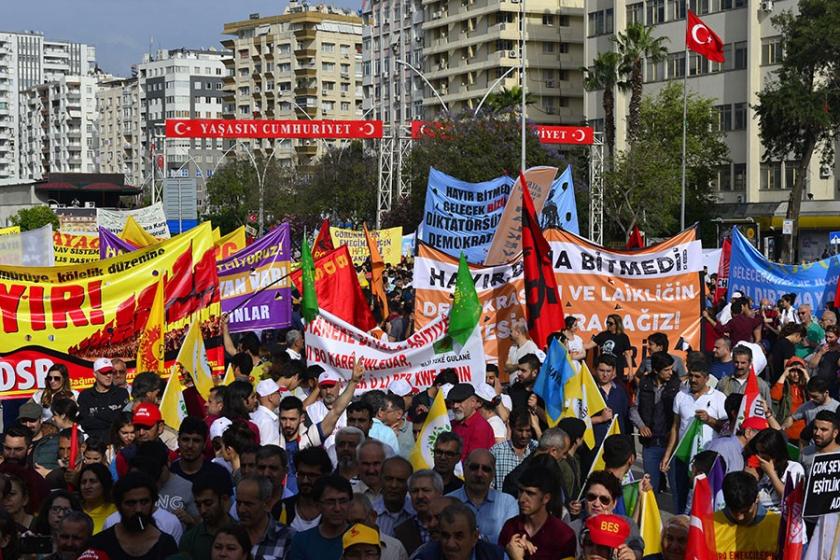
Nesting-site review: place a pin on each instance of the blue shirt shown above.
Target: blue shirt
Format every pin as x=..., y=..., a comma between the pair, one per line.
x=721, y=369
x=310, y=544
x=492, y=513
x=618, y=402
x=384, y=434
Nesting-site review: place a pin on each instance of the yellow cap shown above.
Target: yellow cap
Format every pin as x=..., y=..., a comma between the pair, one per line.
x=360, y=534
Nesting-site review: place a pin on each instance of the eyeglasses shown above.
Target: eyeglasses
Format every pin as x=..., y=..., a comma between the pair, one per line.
x=605, y=500
x=800, y=313
x=610, y=323
x=60, y=509
x=484, y=468
x=449, y=454
x=54, y=378
x=119, y=372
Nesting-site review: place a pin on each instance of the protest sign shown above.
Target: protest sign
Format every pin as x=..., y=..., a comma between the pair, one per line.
x=76, y=220
x=151, y=218
x=389, y=242
x=507, y=240
x=756, y=277
x=822, y=491
x=75, y=248
x=560, y=208
x=231, y=243
x=335, y=345
x=462, y=217
x=254, y=292
x=11, y=230
x=711, y=260
x=28, y=248
x=656, y=289
x=75, y=314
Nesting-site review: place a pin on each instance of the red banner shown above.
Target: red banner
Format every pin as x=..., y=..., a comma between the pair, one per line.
x=583, y=135
x=722, y=284
x=250, y=128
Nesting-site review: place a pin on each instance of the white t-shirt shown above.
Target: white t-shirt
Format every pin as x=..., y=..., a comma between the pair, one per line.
x=574, y=344
x=767, y=495
x=499, y=428
x=317, y=411
x=165, y=521
x=47, y=413
x=685, y=406
x=268, y=423
x=300, y=524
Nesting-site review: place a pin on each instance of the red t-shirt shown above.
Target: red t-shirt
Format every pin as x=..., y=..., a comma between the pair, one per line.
x=554, y=541
x=475, y=432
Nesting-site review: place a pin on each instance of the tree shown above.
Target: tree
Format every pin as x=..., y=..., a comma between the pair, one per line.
x=644, y=186
x=635, y=45
x=472, y=150
x=34, y=218
x=604, y=75
x=508, y=100
x=799, y=110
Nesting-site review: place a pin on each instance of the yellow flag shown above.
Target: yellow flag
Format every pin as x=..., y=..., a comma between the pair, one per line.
x=173, y=409
x=229, y=377
x=437, y=421
x=192, y=357
x=598, y=464
x=136, y=235
x=650, y=526
x=231, y=243
x=150, y=345
x=11, y=230
x=583, y=399
x=217, y=234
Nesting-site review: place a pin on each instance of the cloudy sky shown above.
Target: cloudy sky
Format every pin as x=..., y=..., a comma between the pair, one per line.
x=120, y=29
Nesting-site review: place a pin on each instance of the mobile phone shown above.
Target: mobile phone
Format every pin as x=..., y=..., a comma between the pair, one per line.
x=36, y=544
x=753, y=462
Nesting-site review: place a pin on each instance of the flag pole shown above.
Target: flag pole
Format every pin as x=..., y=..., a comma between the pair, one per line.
x=684, y=134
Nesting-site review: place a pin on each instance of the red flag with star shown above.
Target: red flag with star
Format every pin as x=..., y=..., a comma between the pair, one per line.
x=702, y=40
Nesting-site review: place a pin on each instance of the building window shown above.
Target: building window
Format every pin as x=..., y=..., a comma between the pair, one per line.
x=345, y=106
x=771, y=176
x=563, y=48
x=740, y=176
x=724, y=117
x=328, y=48
x=243, y=53
x=284, y=49
x=328, y=66
x=739, y=120
x=345, y=50
x=740, y=55
x=636, y=13
x=548, y=20
x=547, y=47
x=655, y=12
x=791, y=173
x=601, y=22
x=771, y=51
x=699, y=6
x=655, y=71
x=564, y=21
x=676, y=65
x=676, y=9
x=724, y=178
x=547, y=75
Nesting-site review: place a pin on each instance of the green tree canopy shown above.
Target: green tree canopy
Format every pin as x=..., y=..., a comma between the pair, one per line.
x=34, y=218
x=635, y=45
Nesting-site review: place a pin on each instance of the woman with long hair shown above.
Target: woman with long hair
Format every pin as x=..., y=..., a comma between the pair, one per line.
x=788, y=393
x=239, y=402
x=9, y=536
x=775, y=467
x=57, y=382
x=16, y=500
x=64, y=411
x=231, y=543
x=53, y=509
x=122, y=435
x=574, y=343
x=95, y=485
x=615, y=342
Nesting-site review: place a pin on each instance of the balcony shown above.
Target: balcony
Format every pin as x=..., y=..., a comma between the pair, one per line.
x=306, y=52
x=306, y=34
x=307, y=71
x=307, y=150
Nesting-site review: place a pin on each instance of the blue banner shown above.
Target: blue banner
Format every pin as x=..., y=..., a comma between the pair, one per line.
x=461, y=216
x=754, y=276
x=560, y=209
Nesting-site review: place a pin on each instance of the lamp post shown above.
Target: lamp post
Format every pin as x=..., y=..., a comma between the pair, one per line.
x=423, y=77
x=491, y=88
x=261, y=183
x=523, y=85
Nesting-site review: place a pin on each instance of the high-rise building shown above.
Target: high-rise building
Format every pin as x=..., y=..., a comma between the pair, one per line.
x=469, y=44
x=749, y=187
x=59, y=126
x=394, y=31
x=303, y=64
x=28, y=59
x=180, y=84
x=119, y=129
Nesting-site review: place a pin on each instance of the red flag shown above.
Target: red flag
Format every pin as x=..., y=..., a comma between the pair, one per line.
x=74, y=447
x=323, y=243
x=702, y=40
x=338, y=290
x=377, y=268
x=701, y=531
x=635, y=241
x=792, y=527
x=723, y=272
x=543, y=307
x=751, y=403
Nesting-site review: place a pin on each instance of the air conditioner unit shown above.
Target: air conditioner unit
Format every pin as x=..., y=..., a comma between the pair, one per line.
x=90, y=204
x=511, y=54
x=419, y=39
x=502, y=27
x=436, y=14
x=384, y=73
x=767, y=6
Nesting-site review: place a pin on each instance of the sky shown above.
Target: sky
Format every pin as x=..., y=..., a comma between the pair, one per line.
x=121, y=29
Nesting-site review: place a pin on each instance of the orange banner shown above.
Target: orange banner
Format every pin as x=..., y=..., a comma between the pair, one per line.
x=654, y=290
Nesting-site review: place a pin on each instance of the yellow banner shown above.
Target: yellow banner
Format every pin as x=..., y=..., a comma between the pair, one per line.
x=75, y=248
x=231, y=243
x=389, y=242
x=11, y=230
x=75, y=314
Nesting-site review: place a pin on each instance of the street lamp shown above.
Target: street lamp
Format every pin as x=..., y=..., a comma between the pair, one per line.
x=491, y=88
x=261, y=182
x=423, y=77
x=523, y=85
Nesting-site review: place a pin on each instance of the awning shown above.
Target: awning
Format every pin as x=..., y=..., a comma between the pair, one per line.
x=90, y=187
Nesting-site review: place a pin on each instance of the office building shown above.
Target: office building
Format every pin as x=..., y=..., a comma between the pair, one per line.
x=120, y=148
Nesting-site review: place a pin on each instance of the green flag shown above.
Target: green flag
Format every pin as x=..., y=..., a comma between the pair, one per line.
x=691, y=442
x=630, y=492
x=465, y=311
x=309, y=303
x=793, y=452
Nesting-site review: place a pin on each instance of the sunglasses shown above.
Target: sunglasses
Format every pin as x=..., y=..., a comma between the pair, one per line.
x=450, y=454
x=54, y=378
x=605, y=500
x=610, y=323
x=475, y=467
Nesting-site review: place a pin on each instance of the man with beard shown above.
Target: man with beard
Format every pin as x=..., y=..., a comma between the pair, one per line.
x=191, y=462
x=17, y=442
x=475, y=432
x=72, y=537
x=825, y=432
x=424, y=486
x=212, y=497
x=100, y=404
x=270, y=539
x=346, y=441
x=135, y=536
x=329, y=388
x=323, y=542
x=510, y=454
x=302, y=510
x=447, y=455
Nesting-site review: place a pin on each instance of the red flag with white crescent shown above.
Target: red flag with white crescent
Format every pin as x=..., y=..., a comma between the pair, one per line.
x=701, y=530
x=702, y=40
x=751, y=405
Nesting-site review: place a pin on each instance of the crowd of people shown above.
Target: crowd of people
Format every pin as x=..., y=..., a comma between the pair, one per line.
x=286, y=462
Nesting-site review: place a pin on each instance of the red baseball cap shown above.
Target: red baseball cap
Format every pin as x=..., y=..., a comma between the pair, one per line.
x=93, y=554
x=755, y=423
x=146, y=414
x=608, y=530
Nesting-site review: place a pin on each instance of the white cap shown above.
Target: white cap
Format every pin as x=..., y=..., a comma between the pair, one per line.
x=446, y=387
x=737, y=294
x=103, y=364
x=485, y=392
x=329, y=378
x=218, y=427
x=400, y=387
x=759, y=360
x=267, y=387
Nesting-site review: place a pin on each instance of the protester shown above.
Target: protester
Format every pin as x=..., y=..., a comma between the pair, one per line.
x=446, y=454
x=346, y=441
x=775, y=467
x=522, y=392
x=475, y=432
x=788, y=394
x=745, y=527
x=57, y=385
x=394, y=506
x=16, y=501
x=574, y=343
x=424, y=486
x=212, y=498
x=334, y=495
x=722, y=366
x=785, y=348
x=615, y=396
x=72, y=536
x=99, y=405
x=814, y=333
x=604, y=537
x=510, y=453
x=614, y=342
x=826, y=429
x=361, y=512
x=818, y=399
x=489, y=404
x=459, y=538
x=231, y=543
x=270, y=540
x=265, y=416
x=521, y=347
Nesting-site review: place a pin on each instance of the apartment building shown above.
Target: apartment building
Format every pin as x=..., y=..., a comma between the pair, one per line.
x=303, y=64
x=120, y=146
x=748, y=187
x=469, y=44
x=393, y=32
x=179, y=84
x=28, y=59
x=59, y=127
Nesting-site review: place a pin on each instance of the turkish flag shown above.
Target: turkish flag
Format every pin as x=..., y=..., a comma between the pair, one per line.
x=323, y=243
x=702, y=40
x=635, y=241
x=338, y=289
x=701, y=531
x=543, y=307
x=751, y=405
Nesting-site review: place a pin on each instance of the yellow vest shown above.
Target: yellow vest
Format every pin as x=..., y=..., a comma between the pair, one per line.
x=754, y=542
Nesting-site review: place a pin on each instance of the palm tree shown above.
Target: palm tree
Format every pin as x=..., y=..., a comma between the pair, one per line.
x=636, y=44
x=605, y=74
x=508, y=99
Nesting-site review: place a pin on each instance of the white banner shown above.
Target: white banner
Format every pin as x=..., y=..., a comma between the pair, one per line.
x=151, y=218
x=28, y=248
x=334, y=345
